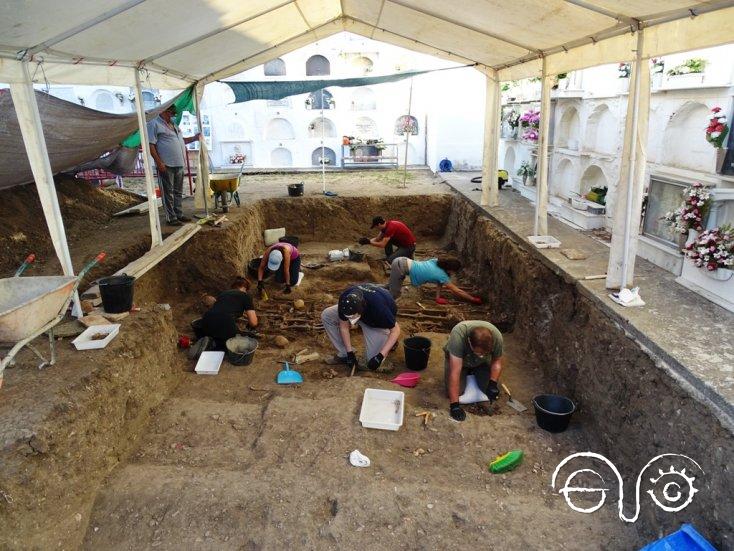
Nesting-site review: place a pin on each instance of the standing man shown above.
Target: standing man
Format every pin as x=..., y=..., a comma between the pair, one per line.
x=168, y=149
x=395, y=237
x=375, y=311
x=474, y=348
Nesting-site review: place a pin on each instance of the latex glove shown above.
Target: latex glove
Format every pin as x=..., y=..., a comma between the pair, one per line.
x=375, y=362
x=441, y=300
x=457, y=412
x=364, y=241
x=287, y=290
x=492, y=391
x=351, y=359
x=476, y=300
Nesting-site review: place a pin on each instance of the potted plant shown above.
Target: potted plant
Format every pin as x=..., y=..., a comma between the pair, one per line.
x=688, y=219
x=527, y=172
x=713, y=250
x=691, y=71
x=530, y=122
x=716, y=133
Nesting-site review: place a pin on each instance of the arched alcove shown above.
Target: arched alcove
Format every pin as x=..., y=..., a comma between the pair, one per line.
x=103, y=101
x=317, y=65
x=684, y=140
x=602, y=130
x=569, y=129
x=363, y=99
x=279, y=129
x=362, y=64
x=509, y=164
x=316, y=127
x=593, y=177
x=274, y=68
x=564, y=181
x=328, y=155
x=366, y=128
x=280, y=156
x=406, y=123
x=320, y=99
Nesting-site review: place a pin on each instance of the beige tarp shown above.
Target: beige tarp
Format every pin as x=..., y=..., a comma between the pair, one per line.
x=185, y=41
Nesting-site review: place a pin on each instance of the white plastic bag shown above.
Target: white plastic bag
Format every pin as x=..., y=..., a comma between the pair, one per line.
x=357, y=459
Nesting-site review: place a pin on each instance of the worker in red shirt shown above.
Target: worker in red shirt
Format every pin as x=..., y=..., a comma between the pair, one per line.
x=395, y=237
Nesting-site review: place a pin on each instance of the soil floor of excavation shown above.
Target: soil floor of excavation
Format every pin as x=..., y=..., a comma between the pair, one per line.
x=235, y=461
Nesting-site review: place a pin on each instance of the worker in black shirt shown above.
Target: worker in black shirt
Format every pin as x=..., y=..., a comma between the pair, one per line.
x=219, y=323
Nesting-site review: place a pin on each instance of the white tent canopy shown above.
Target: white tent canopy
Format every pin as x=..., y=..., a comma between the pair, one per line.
x=185, y=41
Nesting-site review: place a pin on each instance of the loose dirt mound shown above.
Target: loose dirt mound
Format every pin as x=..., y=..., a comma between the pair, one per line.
x=85, y=210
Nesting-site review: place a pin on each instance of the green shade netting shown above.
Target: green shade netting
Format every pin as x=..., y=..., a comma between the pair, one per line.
x=247, y=91
x=183, y=102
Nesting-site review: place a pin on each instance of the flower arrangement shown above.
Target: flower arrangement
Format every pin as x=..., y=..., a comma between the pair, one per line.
x=693, y=65
x=658, y=65
x=690, y=215
x=526, y=171
x=713, y=249
x=237, y=158
x=531, y=135
x=624, y=70
x=406, y=125
x=530, y=119
x=717, y=129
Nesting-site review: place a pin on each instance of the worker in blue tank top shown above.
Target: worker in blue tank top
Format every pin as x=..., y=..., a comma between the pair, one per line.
x=434, y=270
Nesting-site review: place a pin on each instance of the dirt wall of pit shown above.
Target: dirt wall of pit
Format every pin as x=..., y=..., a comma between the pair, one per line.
x=628, y=400
x=213, y=257
x=49, y=478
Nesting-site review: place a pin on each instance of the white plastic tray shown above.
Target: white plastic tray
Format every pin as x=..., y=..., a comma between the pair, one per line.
x=382, y=409
x=85, y=342
x=544, y=241
x=209, y=363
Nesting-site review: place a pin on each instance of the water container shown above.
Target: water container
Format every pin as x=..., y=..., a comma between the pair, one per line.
x=117, y=293
x=417, y=350
x=295, y=190
x=685, y=539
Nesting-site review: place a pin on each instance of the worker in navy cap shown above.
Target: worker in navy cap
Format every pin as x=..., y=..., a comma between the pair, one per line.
x=374, y=310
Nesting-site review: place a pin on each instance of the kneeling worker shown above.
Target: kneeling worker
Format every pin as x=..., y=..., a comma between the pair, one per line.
x=474, y=348
x=283, y=259
x=433, y=270
x=219, y=323
x=375, y=311
x=395, y=237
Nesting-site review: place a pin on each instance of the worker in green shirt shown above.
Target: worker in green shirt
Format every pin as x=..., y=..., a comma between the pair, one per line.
x=474, y=348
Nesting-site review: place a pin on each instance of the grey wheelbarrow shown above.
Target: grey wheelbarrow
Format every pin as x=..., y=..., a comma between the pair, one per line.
x=31, y=306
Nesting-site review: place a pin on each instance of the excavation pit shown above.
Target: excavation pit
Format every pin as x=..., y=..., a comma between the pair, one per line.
x=142, y=452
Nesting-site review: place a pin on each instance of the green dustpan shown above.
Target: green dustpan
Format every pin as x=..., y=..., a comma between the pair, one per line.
x=289, y=377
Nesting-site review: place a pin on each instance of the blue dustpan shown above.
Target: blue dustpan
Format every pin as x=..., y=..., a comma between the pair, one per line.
x=289, y=377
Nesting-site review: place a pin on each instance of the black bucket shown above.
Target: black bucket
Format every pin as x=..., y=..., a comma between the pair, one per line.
x=117, y=293
x=553, y=412
x=253, y=266
x=417, y=350
x=292, y=239
x=241, y=350
x=295, y=190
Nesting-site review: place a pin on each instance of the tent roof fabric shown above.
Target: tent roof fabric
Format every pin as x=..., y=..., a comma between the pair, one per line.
x=185, y=41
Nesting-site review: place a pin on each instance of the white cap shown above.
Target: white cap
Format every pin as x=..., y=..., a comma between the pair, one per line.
x=275, y=259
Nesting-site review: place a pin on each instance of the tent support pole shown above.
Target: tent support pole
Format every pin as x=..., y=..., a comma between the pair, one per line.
x=407, y=134
x=29, y=120
x=627, y=213
x=323, y=164
x=490, y=191
x=541, y=200
x=155, y=223
x=202, y=169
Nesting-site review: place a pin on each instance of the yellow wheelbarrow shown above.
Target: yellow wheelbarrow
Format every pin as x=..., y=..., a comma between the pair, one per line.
x=225, y=188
